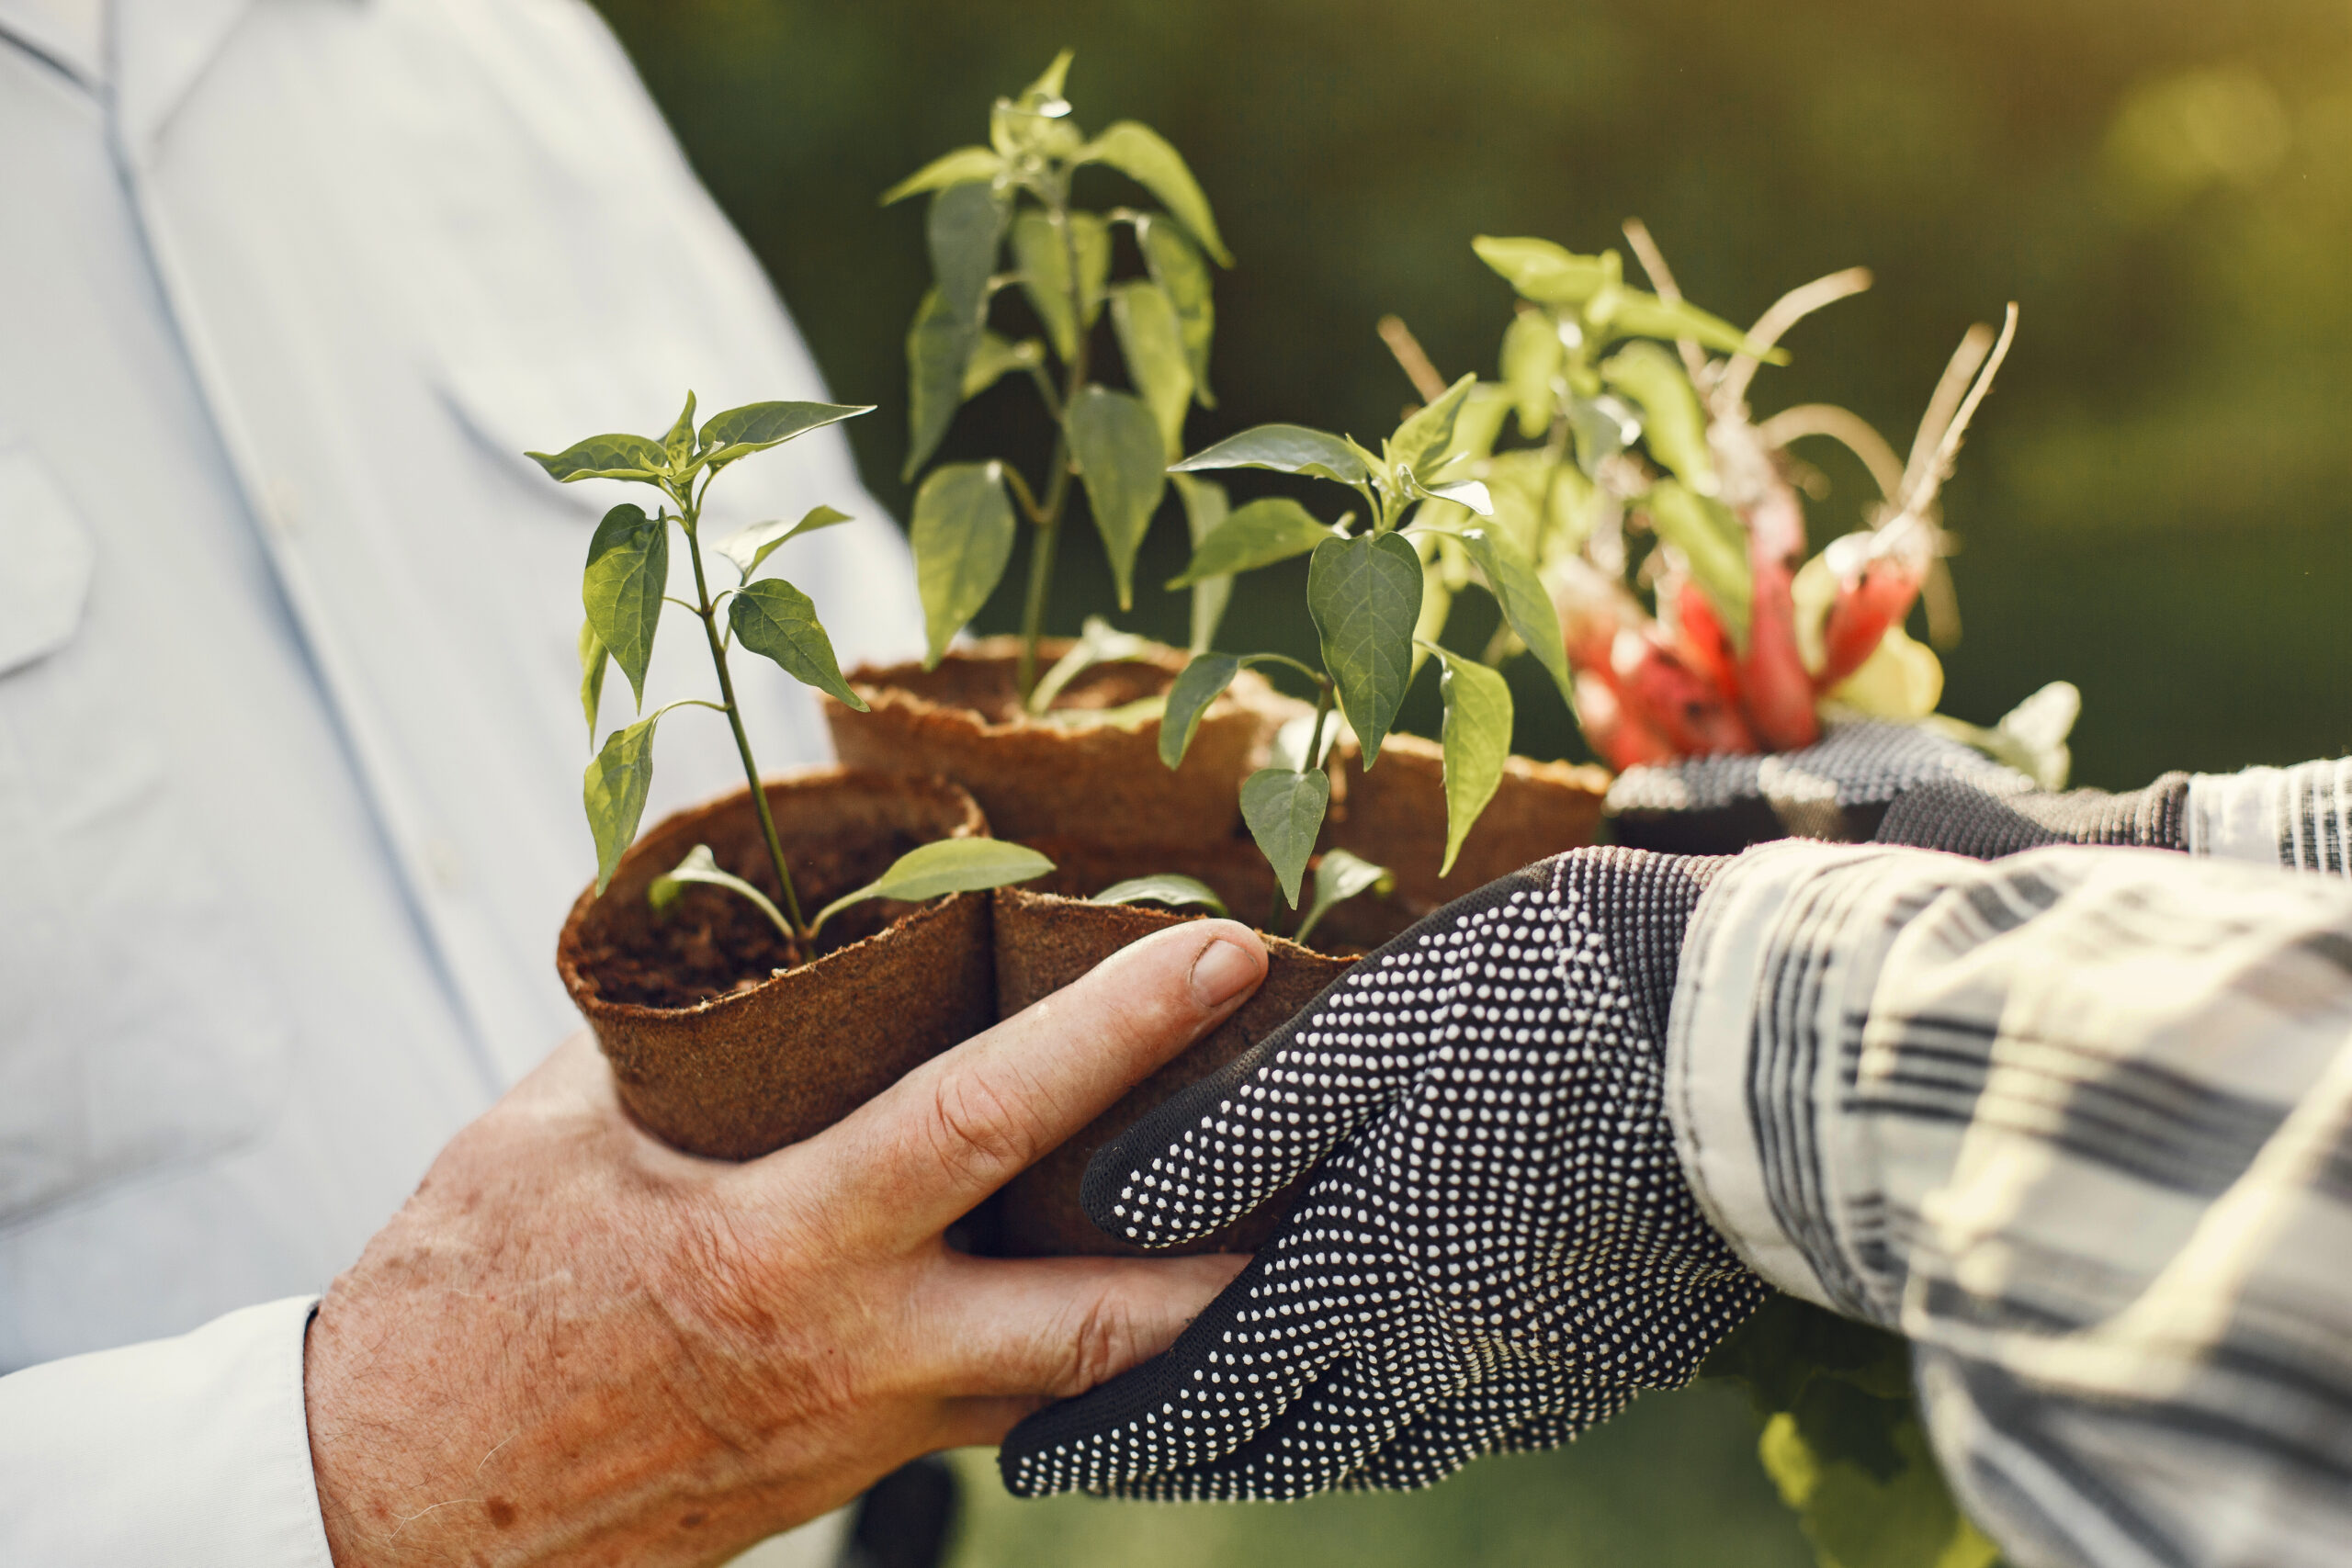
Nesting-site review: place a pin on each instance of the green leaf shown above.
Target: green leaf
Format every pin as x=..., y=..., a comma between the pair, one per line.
x=1673, y=425
x=1286, y=449
x=1637, y=314
x=591, y=674
x=1042, y=255
x=1115, y=443
x=947, y=866
x=1269, y=530
x=701, y=865
x=1176, y=265
x=605, y=457
x=1511, y=578
x=1429, y=431
x=1475, y=430
x=962, y=535
x=680, y=443
x=1143, y=156
x=1098, y=642
x=963, y=228
x=1206, y=510
x=1365, y=595
x=629, y=571
x=1546, y=272
x=1163, y=887
x=1712, y=541
x=1152, y=341
x=1284, y=810
x=754, y=545
x=993, y=358
x=1199, y=684
x=614, y=791
x=1048, y=87
x=755, y=427
x=1532, y=357
x=1476, y=738
x=939, y=355
x=777, y=621
x=1471, y=495
x=962, y=166
x=1340, y=876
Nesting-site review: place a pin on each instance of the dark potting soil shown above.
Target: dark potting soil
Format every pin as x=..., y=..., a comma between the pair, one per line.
x=712, y=942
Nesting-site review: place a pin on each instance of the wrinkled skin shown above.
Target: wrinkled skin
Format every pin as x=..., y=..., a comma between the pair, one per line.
x=574, y=1344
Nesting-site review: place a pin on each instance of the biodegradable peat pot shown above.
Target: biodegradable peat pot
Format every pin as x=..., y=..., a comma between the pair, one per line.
x=1395, y=816
x=1043, y=942
x=1100, y=781
x=719, y=1050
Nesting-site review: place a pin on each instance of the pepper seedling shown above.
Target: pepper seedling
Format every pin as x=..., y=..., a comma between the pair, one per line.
x=1365, y=594
x=625, y=591
x=1016, y=191
x=1338, y=876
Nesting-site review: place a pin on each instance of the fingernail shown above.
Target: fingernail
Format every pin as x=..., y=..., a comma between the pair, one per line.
x=1222, y=971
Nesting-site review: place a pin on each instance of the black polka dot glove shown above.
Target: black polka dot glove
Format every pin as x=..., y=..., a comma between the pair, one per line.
x=1496, y=1249
x=1839, y=789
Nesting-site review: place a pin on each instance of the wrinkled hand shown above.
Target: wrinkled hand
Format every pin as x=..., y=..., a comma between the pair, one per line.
x=1498, y=1248
x=1838, y=789
x=574, y=1344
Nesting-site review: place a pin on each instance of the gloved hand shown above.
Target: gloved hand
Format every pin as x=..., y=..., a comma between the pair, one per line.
x=1498, y=1249
x=1839, y=788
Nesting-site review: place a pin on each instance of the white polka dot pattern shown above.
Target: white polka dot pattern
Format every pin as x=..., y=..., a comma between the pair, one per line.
x=1498, y=1250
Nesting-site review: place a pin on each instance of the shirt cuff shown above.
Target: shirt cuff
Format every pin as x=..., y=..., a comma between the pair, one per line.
x=194, y=1451
x=2299, y=817
x=1777, y=971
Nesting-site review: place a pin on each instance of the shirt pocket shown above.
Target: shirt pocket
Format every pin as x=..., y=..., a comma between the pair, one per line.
x=137, y=1026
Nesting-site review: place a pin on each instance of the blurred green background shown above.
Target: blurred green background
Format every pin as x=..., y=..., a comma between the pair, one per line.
x=2154, y=503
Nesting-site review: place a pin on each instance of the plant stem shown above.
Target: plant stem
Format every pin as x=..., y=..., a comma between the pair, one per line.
x=1306, y=763
x=1049, y=525
x=708, y=614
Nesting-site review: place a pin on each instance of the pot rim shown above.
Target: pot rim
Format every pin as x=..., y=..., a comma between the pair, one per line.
x=880, y=685
x=594, y=1005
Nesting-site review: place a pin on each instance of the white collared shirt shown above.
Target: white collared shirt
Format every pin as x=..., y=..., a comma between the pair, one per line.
x=290, y=733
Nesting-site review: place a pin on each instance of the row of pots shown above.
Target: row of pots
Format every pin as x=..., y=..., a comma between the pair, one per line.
x=721, y=1051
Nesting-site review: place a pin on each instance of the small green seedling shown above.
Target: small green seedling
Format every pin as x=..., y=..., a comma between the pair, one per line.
x=1164, y=887
x=1015, y=192
x=625, y=589
x=1365, y=593
x=1338, y=876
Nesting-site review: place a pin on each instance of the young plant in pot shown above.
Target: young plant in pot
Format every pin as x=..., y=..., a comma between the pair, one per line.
x=1649, y=471
x=1050, y=736
x=1367, y=593
x=756, y=967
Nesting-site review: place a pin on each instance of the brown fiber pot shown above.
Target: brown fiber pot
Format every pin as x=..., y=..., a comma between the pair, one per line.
x=1395, y=815
x=1102, y=782
x=1043, y=942
x=719, y=1050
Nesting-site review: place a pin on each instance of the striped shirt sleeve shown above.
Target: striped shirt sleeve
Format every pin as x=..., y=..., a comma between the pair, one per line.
x=2079, y=1125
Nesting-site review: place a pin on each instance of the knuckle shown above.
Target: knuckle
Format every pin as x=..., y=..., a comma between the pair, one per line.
x=974, y=1127
x=1101, y=1345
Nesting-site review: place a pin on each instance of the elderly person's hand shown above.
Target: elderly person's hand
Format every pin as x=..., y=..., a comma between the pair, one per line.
x=576, y=1345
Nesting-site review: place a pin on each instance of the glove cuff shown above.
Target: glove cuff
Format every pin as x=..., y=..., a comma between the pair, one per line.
x=1960, y=818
